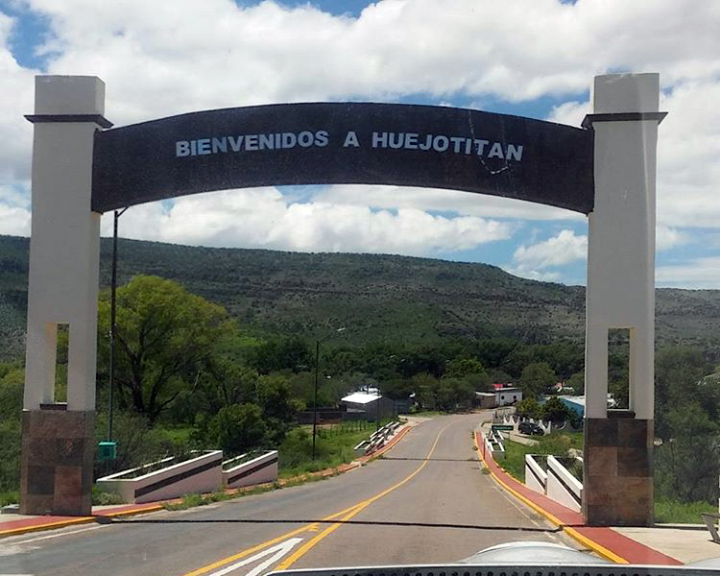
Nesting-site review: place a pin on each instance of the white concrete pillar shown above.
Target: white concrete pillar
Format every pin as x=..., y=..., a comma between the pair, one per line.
x=621, y=236
x=65, y=241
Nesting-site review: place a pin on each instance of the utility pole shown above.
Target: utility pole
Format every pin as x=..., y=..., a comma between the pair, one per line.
x=317, y=372
x=113, y=323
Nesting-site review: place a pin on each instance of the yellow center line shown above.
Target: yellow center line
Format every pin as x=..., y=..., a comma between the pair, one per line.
x=259, y=547
x=305, y=548
x=344, y=515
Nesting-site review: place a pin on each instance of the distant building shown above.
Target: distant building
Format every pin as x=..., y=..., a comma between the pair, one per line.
x=508, y=395
x=503, y=395
x=485, y=399
x=369, y=406
x=577, y=403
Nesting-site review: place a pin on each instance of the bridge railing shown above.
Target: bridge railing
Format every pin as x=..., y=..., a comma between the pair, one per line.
x=548, y=475
x=377, y=439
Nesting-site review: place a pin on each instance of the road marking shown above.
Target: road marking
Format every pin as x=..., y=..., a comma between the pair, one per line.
x=263, y=545
x=344, y=515
x=279, y=551
x=305, y=548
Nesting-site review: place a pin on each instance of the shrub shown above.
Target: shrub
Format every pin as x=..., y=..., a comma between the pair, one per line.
x=237, y=428
x=555, y=410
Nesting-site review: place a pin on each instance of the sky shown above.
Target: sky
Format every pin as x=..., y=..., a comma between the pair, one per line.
x=533, y=58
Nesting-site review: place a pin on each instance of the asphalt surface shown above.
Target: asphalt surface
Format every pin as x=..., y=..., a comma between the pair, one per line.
x=426, y=501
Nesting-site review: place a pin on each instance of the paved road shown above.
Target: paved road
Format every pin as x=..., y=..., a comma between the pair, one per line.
x=426, y=501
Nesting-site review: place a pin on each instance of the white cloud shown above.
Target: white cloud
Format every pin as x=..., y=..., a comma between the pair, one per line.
x=156, y=63
x=165, y=57
x=14, y=221
x=560, y=250
x=14, y=212
x=16, y=99
x=533, y=274
x=697, y=273
x=688, y=180
x=666, y=238
x=571, y=113
x=437, y=200
x=688, y=152
x=263, y=218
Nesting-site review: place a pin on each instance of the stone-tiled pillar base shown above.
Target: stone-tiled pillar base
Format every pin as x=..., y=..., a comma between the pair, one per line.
x=618, y=471
x=57, y=461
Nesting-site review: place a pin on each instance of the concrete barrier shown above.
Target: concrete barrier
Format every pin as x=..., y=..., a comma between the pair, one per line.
x=562, y=486
x=167, y=478
x=535, y=477
x=263, y=468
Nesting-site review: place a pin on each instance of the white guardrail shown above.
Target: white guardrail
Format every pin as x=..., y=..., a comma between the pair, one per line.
x=494, y=444
x=377, y=439
x=554, y=481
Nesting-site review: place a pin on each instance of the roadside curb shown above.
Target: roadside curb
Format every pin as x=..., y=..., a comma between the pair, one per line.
x=42, y=523
x=614, y=547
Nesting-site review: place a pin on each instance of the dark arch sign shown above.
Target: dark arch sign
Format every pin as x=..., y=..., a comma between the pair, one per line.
x=344, y=143
x=79, y=170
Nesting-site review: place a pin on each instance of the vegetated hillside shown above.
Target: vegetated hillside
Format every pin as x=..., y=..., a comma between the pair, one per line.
x=377, y=297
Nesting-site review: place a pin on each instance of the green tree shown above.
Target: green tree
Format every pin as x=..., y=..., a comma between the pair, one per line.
x=425, y=386
x=12, y=384
x=528, y=408
x=223, y=381
x=238, y=428
x=283, y=354
x=577, y=383
x=677, y=374
x=453, y=394
x=397, y=388
x=12, y=379
x=471, y=371
x=461, y=367
x=555, y=410
x=165, y=335
x=537, y=379
x=688, y=463
x=277, y=406
x=492, y=352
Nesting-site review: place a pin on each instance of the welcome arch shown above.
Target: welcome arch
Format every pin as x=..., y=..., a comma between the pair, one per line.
x=82, y=167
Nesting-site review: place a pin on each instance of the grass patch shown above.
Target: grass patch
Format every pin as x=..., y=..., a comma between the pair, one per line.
x=672, y=511
x=334, y=446
x=179, y=436
x=557, y=444
x=10, y=497
x=194, y=500
x=102, y=498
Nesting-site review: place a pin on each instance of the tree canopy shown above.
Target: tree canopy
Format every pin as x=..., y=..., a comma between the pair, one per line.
x=164, y=337
x=537, y=379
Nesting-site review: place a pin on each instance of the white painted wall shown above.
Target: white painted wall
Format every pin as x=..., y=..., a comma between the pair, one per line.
x=266, y=474
x=558, y=491
x=621, y=239
x=533, y=471
x=507, y=396
x=203, y=482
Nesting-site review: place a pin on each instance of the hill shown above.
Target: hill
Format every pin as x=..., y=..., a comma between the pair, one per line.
x=377, y=297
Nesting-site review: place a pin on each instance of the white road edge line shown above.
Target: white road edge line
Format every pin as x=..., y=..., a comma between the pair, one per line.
x=279, y=550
